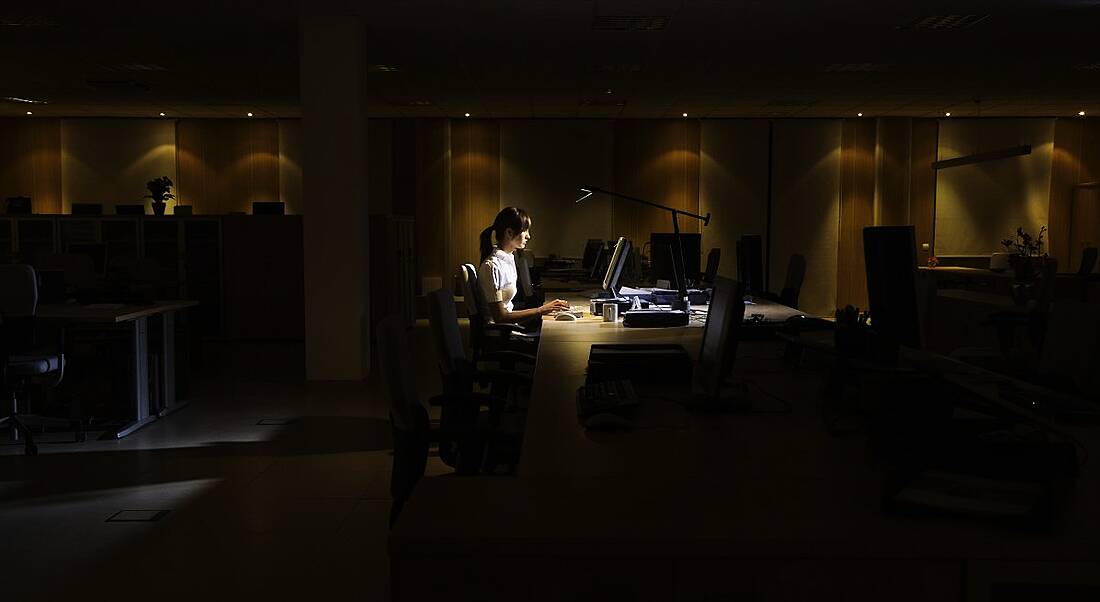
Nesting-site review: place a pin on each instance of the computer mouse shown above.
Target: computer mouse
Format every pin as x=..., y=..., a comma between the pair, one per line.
x=566, y=317
x=606, y=421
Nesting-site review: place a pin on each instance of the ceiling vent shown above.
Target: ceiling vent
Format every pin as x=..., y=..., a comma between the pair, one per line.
x=629, y=22
x=856, y=68
x=133, y=68
x=789, y=102
x=27, y=21
x=117, y=85
x=603, y=102
x=1089, y=67
x=618, y=68
x=946, y=22
x=415, y=102
x=382, y=68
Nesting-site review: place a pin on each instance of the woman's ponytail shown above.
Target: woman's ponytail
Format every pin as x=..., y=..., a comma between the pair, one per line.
x=486, y=243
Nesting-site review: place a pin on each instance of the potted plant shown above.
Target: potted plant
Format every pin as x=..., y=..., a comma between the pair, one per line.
x=160, y=191
x=1025, y=251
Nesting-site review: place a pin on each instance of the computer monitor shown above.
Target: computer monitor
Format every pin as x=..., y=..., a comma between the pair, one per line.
x=664, y=261
x=268, y=208
x=719, y=345
x=615, y=266
x=19, y=205
x=890, y=255
x=750, y=263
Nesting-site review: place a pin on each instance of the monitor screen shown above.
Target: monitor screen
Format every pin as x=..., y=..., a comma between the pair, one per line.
x=719, y=345
x=663, y=250
x=890, y=254
x=615, y=266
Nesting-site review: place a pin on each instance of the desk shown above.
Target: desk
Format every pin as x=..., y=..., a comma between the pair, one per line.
x=137, y=317
x=693, y=507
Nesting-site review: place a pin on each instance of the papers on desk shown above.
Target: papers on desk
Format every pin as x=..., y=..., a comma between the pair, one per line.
x=626, y=291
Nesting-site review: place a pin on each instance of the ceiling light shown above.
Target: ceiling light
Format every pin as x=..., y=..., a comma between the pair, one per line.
x=608, y=91
x=1081, y=113
x=162, y=114
x=467, y=114
x=947, y=114
x=685, y=114
x=250, y=114
x=29, y=113
x=859, y=114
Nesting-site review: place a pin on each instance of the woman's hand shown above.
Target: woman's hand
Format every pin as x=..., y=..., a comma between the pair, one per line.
x=553, y=306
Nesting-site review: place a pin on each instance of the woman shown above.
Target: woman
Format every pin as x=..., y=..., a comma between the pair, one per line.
x=497, y=272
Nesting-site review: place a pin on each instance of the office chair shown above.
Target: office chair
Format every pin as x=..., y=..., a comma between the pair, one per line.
x=459, y=374
x=706, y=278
x=1084, y=271
x=486, y=336
x=527, y=296
x=463, y=430
x=22, y=360
x=792, y=286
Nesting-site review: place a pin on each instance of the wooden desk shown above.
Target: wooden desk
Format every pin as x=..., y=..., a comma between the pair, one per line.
x=137, y=317
x=693, y=507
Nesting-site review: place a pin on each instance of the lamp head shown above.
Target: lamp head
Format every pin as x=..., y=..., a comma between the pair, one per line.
x=587, y=193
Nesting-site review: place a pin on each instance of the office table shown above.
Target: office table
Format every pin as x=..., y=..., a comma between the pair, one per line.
x=698, y=507
x=137, y=317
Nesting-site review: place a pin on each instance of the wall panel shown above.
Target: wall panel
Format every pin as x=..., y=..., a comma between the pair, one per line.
x=290, y=165
x=980, y=204
x=892, y=161
x=806, y=207
x=30, y=162
x=922, y=184
x=226, y=164
x=432, y=175
x=655, y=160
x=733, y=184
x=542, y=165
x=109, y=161
x=858, y=168
x=475, y=186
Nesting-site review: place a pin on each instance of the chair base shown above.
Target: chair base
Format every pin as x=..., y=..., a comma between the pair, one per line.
x=18, y=428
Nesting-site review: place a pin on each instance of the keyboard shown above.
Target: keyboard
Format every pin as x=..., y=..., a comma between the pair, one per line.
x=605, y=396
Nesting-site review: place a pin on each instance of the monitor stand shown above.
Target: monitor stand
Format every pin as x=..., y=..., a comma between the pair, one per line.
x=733, y=399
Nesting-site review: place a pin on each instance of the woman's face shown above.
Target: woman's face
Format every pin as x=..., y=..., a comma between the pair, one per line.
x=517, y=241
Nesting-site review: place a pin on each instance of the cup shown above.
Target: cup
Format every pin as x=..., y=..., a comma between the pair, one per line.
x=610, y=312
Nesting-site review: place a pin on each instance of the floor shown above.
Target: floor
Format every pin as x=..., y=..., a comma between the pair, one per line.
x=294, y=509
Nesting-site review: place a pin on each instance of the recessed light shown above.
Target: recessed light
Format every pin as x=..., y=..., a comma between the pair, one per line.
x=859, y=114
x=685, y=114
x=1081, y=113
x=29, y=113
x=608, y=91
x=947, y=114
x=162, y=114
x=250, y=114
x=467, y=114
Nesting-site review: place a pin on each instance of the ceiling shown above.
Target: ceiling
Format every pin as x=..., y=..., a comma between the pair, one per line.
x=567, y=58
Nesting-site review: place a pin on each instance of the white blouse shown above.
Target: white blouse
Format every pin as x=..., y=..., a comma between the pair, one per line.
x=497, y=278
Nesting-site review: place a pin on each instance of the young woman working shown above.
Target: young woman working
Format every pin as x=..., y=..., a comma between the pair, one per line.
x=497, y=272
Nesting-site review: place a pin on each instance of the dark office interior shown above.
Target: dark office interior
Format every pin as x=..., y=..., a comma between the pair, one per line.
x=581, y=300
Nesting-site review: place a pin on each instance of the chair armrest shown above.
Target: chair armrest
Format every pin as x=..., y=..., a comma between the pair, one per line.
x=503, y=328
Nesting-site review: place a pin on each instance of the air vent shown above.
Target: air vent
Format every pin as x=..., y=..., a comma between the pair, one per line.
x=856, y=68
x=946, y=22
x=618, y=68
x=415, y=102
x=603, y=102
x=27, y=21
x=124, y=85
x=1089, y=67
x=629, y=22
x=382, y=68
x=790, y=102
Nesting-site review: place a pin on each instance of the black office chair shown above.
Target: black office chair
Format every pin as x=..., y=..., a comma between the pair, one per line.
x=706, y=278
x=792, y=286
x=486, y=336
x=527, y=296
x=1084, y=271
x=462, y=434
x=22, y=360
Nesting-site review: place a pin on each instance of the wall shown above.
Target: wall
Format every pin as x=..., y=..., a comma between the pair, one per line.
x=977, y=205
x=806, y=207
x=733, y=184
x=542, y=165
x=218, y=165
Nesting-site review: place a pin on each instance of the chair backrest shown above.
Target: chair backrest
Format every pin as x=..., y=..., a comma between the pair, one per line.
x=475, y=306
x=443, y=318
x=796, y=274
x=1046, y=284
x=407, y=412
x=18, y=291
x=714, y=256
x=1088, y=261
x=523, y=274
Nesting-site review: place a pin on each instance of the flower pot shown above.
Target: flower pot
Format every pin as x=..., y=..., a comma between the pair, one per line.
x=158, y=208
